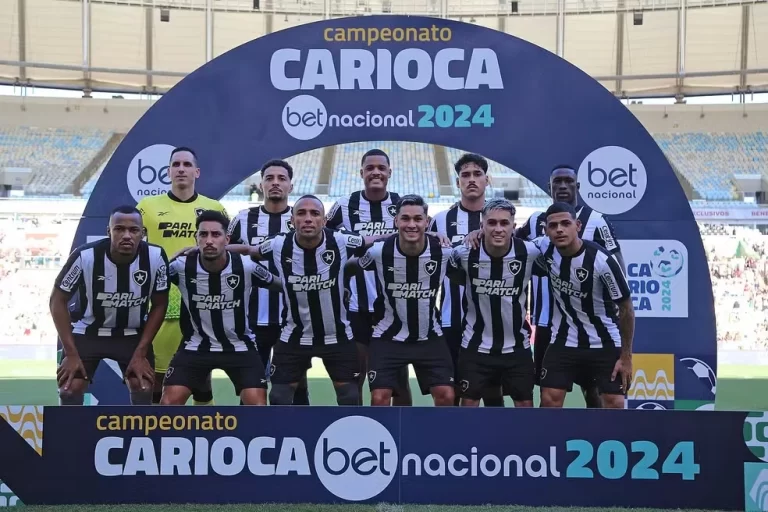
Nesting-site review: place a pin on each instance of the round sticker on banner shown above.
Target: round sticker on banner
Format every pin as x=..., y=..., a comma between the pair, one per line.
x=612, y=180
x=304, y=117
x=148, y=172
x=356, y=458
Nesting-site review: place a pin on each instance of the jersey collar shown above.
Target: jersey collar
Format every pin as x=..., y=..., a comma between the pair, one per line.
x=173, y=197
x=362, y=194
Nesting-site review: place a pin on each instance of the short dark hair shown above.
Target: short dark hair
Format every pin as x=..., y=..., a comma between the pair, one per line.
x=126, y=209
x=499, y=204
x=562, y=167
x=188, y=150
x=560, y=207
x=412, y=200
x=471, y=158
x=212, y=216
x=276, y=162
x=310, y=196
x=374, y=152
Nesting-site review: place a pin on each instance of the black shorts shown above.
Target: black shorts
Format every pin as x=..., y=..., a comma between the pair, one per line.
x=190, y=369
x=478, y=372
x=92, y=349
x=453, y=337
x=266, y=337
x=431, y=360
x=361, y=323
x=290, y=362
x=541, y=338
x=563, y=366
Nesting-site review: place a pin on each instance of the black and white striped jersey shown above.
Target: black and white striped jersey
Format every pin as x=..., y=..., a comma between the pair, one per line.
x=114, y=299
x=214, y=317
x=594, y=227
x=357, y=214
x=454, y=223
x=313, y=283
x=496, y=292
x=408, y=287
x=251, y=227
x=586, y=288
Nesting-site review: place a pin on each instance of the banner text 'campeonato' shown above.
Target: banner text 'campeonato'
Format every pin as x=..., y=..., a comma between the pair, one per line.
x=371, y=35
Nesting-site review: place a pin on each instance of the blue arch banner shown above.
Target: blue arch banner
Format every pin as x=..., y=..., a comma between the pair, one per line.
x=458, y=85
x=604, y=458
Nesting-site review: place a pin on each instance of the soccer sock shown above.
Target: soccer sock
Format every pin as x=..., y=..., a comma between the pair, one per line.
x=141, y=397
x=301, y=396
x=68, y=398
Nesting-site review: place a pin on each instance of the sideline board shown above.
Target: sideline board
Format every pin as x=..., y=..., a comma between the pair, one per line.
x=437, y=81
x=536, y=457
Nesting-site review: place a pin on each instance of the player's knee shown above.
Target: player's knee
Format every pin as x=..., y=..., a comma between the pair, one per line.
x=281, y=394
x=253, y=396
x=71, y=396
x=612, y=401
x=551, y=397
x=203, y=397
x=381, y=396
x=443, y=396
x=347, y=394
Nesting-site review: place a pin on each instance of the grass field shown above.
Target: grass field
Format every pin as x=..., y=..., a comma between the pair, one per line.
x=33, y=383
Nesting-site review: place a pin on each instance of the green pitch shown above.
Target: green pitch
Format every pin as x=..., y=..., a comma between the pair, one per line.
x=33, y=383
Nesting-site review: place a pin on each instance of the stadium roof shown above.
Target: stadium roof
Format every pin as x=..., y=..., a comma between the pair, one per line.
x=681, y=47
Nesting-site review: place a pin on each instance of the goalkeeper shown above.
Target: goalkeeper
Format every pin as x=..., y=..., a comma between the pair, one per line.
x=170, y=223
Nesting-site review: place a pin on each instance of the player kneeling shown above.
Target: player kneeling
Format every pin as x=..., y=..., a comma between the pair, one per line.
x=116, y=278
x=215, y=287
x=495, y=344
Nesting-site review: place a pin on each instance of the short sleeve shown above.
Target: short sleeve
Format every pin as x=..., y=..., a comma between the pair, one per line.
x=541, y=243
x=613, y=278
x=71, y=275
x=455, y=258
x=524, y=231
x=266, y=247
x=368, y=260
x=234, y=231
x=142, y=208
x=174, y=268
x=432, y=228
x=533, y=250
x=161, y=274
x=335, y=219
x=355, y=244
x=605, y=236
x=261, y=276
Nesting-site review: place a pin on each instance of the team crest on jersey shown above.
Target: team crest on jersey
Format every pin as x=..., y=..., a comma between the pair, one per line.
x=581, y=274
x=371, y=376
x=289, y=225
x=232, y=281
x=392, y=210
x=329, y=257
x=514, y=266
x=140, y=277
x=199, y=211
x=430, y=267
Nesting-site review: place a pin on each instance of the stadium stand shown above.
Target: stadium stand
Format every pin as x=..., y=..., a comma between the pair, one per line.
x=306, y=168
x=709, y=160
x=56, y=156
x=413, y=168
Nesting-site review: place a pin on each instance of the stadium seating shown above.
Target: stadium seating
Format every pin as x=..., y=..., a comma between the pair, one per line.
x=413, y=168
x=55, y=155
x=709, y=160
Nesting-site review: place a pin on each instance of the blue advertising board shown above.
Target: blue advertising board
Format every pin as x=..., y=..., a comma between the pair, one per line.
x=536, y=457
x=459, y=85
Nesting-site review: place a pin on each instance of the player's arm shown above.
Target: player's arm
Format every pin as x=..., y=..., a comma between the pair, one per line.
x=235, y=232
x=139, y=364
x=67, y=282
x=455, y=270
x=335, y=218
x=616, y=283
x=263, y=278
x=539, y=264
x=606, y=237
x=367, y=261
x=524, y=231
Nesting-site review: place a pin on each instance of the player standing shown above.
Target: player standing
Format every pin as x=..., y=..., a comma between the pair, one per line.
x=563, y=187
x=496, y=336
x=455, y=223
x=251, y=227
x=591, y=342
x=215, y=287
x=116, y=278
x=312, y=262
x=170, y=223
x=369, y=212
x=409, y=269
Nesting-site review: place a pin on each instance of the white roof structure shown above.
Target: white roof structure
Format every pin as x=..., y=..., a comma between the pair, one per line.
x=635, y=48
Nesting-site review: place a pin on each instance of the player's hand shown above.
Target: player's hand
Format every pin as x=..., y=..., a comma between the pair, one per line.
x=623, y=369
x=140, y=368
x=473, y=239
x=444, y=240
x=186, y=252
x=68, y=370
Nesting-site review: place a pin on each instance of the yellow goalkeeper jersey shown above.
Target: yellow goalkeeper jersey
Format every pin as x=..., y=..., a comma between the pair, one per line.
x=170, y=223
